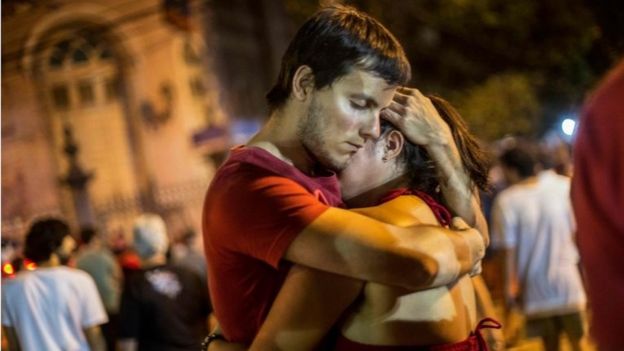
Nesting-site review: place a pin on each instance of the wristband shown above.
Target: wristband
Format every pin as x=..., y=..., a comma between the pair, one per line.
x=210, y=338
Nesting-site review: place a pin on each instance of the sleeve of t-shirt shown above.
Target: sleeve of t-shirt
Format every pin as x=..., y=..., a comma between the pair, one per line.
x=260, y=215
x=503, y=226
x=92, y=307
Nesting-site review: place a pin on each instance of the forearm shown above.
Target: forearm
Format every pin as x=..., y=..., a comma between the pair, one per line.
x=485, y=309
x=353, y=245
x=510, y=279
x=456, y=186
x=95, y=338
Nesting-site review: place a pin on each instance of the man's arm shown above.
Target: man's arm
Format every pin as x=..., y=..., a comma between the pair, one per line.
x=11, y=338
x=95, y=338
x=353, y=245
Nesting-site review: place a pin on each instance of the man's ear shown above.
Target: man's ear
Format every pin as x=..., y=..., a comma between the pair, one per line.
x=303, y=82
x=394, y=142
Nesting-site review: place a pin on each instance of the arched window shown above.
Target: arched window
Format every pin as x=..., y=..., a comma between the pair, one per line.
x=80, y=70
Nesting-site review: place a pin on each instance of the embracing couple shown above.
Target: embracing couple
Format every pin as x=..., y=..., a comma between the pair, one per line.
x=338, y=225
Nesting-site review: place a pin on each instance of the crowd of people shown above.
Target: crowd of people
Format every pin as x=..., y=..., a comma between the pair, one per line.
x=353, y=220
x=80, y=298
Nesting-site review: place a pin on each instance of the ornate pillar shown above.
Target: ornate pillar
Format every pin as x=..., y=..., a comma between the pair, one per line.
x=77, y=179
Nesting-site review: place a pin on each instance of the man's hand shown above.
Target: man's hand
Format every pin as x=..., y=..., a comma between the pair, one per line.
x=475, y=247
x=416, y=117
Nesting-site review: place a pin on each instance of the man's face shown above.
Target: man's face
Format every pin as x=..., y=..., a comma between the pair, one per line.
x=342, y=116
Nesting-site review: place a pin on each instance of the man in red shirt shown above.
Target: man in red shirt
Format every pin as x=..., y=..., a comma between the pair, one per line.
x=598, y=198
x=276, y=201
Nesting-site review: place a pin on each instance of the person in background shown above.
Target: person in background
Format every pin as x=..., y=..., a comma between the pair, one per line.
x=53, y=307
x=163, y=307
x=185, y=253
x=532, y=221
x=598, y=199
x=95, y=258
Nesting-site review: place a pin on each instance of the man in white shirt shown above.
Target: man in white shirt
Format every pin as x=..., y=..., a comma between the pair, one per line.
x=53, y=307
x=532, y=221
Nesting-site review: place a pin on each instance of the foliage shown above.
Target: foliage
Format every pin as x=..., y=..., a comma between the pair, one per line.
x=503, y=104
x=462, y=47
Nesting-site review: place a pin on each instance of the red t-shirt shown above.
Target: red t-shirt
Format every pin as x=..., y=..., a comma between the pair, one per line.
x=255, y=207
x=598, y=199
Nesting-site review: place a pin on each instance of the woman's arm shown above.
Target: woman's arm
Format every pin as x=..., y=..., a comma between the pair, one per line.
x=485, y=309
x=309, y=303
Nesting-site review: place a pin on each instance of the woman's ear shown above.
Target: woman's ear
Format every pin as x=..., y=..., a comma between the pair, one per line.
x=303, y=82
x=394, y=142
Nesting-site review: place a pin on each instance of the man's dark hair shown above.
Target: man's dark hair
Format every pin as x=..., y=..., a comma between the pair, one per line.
x=332, y=42
x=87, y=234
x=44, y=237
x=424, y=175
x=520, y=158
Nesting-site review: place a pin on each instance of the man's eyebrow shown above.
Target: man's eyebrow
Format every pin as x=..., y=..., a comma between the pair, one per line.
x=370, y=102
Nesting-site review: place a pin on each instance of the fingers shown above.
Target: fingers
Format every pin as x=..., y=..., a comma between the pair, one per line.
x=391, y=116
x=401, y=98
x=459, y=224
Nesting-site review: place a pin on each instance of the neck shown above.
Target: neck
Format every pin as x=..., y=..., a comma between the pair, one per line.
x=279, y=137
x=156, y=260
x=372, y=196
x=53, y=261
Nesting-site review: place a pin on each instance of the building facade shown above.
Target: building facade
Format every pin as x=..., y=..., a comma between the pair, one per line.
x=133, y=82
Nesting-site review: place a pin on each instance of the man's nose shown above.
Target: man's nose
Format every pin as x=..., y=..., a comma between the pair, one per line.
x=371, y=129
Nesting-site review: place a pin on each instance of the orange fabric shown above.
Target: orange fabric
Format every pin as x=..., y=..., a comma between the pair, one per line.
x=251, y=215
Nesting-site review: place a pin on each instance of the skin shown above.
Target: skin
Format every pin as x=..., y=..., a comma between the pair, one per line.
x=337, y=120
x=327, y=127
x=311, y=301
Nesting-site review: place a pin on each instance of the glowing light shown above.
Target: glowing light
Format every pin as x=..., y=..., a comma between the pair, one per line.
x=7, y=268
x=30, y=265
x=567, y=126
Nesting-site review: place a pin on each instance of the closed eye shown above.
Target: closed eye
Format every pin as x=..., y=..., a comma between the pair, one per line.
x=358, y=106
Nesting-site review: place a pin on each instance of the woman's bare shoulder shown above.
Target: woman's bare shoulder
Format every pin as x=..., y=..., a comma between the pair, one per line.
x=404, y=211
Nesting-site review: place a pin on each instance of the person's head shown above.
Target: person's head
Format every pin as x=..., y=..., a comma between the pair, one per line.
x=518, y=163
x=49, y=238
x=339, y=71
x=392, y=157
x=333, y=42
x=150, y=236
x=88, y=234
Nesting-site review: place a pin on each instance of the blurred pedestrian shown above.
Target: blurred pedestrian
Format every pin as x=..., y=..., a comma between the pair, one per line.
x=96, y=259
x=598, y=199
x=163, y=307
x=187, y=254
x=532, y=220
x=53, y=307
